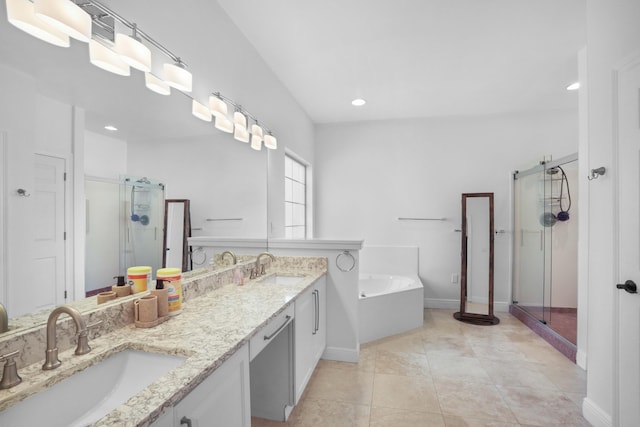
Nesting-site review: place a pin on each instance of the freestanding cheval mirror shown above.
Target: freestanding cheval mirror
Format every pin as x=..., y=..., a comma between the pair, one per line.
x=476, y=275
x=177, y=229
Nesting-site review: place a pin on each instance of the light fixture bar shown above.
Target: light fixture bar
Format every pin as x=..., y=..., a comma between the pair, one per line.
x=238, y=107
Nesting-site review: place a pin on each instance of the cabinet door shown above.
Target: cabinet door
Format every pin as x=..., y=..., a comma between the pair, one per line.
x=304, y=323
x=320, y=337
x=223, y=399
x=165, y=420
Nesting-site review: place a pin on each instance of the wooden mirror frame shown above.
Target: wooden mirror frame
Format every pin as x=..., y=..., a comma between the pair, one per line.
x=463, y=315
x=186, y=232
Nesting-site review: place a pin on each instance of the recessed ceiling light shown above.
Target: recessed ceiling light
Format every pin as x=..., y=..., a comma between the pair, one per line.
x=111, y=128
x=574, y=86
x=358, y=102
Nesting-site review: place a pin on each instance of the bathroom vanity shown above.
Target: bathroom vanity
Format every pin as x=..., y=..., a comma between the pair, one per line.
x=223, y=329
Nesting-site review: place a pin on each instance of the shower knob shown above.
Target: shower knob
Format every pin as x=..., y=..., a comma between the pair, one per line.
x=628, y=286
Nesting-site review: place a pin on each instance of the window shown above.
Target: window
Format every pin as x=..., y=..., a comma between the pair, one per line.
x=295, y=198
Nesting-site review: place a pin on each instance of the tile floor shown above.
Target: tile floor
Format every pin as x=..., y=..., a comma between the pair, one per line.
x=447, y=373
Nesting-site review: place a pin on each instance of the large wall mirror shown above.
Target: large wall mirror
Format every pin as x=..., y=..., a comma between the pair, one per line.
x=221, y=177
x=476, y=278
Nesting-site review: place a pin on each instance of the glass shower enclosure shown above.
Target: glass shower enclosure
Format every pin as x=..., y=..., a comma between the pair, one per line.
x=545, y=244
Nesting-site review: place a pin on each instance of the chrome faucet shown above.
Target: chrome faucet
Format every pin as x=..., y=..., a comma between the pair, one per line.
x=10, y=377
x=51, y=355
x=4, y=319
x=259, y=267
x=233, y=256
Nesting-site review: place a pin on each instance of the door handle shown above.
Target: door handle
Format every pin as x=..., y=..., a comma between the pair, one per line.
x=629, y=286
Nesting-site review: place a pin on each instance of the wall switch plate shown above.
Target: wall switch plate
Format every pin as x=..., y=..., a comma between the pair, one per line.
x=454, y=278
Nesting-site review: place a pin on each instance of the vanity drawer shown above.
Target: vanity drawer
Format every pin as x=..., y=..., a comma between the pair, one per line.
x=269, y=331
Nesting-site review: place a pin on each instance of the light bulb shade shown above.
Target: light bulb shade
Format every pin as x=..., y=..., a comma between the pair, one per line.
x=270, y=141
x=201, y=111
x=156, y=84
x=21, y=14
x=240, y=120
x=241, y=134
x=224, y=124
x=217, y=106
x=66, y=16
x=133, y=52
x=178, y=77
x=256, y=142
x=256, y=131
x=103, y=57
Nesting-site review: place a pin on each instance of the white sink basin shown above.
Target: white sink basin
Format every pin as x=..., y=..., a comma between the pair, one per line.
x=277, y=279
x=89, y=395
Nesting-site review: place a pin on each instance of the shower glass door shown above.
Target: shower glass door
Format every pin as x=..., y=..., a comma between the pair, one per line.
x=529, y=243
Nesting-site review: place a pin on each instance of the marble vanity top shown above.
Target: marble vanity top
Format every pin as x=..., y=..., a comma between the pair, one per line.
x=210, y=329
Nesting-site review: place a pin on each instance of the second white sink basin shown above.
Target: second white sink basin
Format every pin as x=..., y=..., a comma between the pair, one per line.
x=283, y=280
x=89, y=395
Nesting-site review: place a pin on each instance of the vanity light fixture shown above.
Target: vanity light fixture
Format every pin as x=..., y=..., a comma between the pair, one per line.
x=217, y=105
x=21, y=14
x=574, y=86
x=240, y=131
x=177, y=76
x=112, y=128
x=201, y=111
x=66, y=16
x=103, y=57
x=156, y=84
x=132, y=51
x=358, y=102
x=224, y=124
x=256, y=136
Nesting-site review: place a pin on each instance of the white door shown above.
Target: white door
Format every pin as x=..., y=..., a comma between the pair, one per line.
x=49, y=232
x=628, y=304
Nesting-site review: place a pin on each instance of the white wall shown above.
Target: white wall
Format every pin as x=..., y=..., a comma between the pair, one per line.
x=612, y=34
x=104, y=157
x=371, y=173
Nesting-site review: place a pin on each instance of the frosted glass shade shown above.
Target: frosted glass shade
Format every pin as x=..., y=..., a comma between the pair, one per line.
x=256, y=131
x=21, y=13
x=156, y=84
x=241, y=134
x=201, y=111
x=270, y=141
x=256, y=142
x=239, y=120
x=133, y=52
x=217, y=106
x=103, y=57
x=66, y=16
x=224, y=124
x=178, y=77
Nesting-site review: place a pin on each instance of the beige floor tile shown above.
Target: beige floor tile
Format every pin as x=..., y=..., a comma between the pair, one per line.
x=523, y=374
x=399, y=363
x=328, y=383
x=457, y=421
x=261, y=422
x=327, y=413
x=567, y=377
x=481, y=401
x=457, y=368
x=415, y=393
x=366, y=362
x=448, y=345
x=542, y=407
x=412, y=343
x=391, y=417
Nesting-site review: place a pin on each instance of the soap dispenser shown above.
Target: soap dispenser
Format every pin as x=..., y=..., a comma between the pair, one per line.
x=163, y=298
x=122, y=289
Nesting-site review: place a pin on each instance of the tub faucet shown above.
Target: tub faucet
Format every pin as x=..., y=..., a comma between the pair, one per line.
x=259, y=267
x=4, y=319
x=233, y=256
x=51, y=355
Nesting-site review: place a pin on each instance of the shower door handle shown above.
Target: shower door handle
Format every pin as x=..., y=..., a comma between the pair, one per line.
x=628, y=286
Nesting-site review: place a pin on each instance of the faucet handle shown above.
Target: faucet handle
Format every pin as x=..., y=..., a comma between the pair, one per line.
x=10, y=377
x=83, y=339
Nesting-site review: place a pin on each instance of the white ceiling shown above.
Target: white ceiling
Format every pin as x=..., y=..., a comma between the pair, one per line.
x=418, y=58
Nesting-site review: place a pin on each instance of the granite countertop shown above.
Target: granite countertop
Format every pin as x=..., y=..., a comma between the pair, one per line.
x=210, y=329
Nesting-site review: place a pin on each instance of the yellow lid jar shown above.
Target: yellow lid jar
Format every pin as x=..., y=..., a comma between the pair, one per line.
x=172, y=278
x=138, y=278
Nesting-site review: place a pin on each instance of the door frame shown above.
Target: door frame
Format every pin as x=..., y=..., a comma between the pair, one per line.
x=3, y=217
x=630, y=61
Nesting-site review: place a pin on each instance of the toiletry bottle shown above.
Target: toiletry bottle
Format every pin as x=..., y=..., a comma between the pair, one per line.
x=163, y=298
x=122, y=289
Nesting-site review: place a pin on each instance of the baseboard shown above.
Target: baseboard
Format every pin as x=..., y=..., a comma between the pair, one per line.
x=594, y=414
x=581, y=359
x=341, y=354
x=454, y=304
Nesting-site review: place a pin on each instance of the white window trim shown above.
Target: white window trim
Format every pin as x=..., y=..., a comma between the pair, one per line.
x=308, y=190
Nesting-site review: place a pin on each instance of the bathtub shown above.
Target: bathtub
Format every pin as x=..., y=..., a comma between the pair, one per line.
x=388, y=305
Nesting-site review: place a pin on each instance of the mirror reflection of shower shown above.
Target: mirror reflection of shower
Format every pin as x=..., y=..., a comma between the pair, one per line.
x=143, y=205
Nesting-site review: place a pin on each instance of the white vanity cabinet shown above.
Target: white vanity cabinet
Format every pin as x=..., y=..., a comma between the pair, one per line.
x=223, y=399
x=310, y=333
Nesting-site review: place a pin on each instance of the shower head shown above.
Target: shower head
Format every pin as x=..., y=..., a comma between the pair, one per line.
x=552, y=171
x=144, y=180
